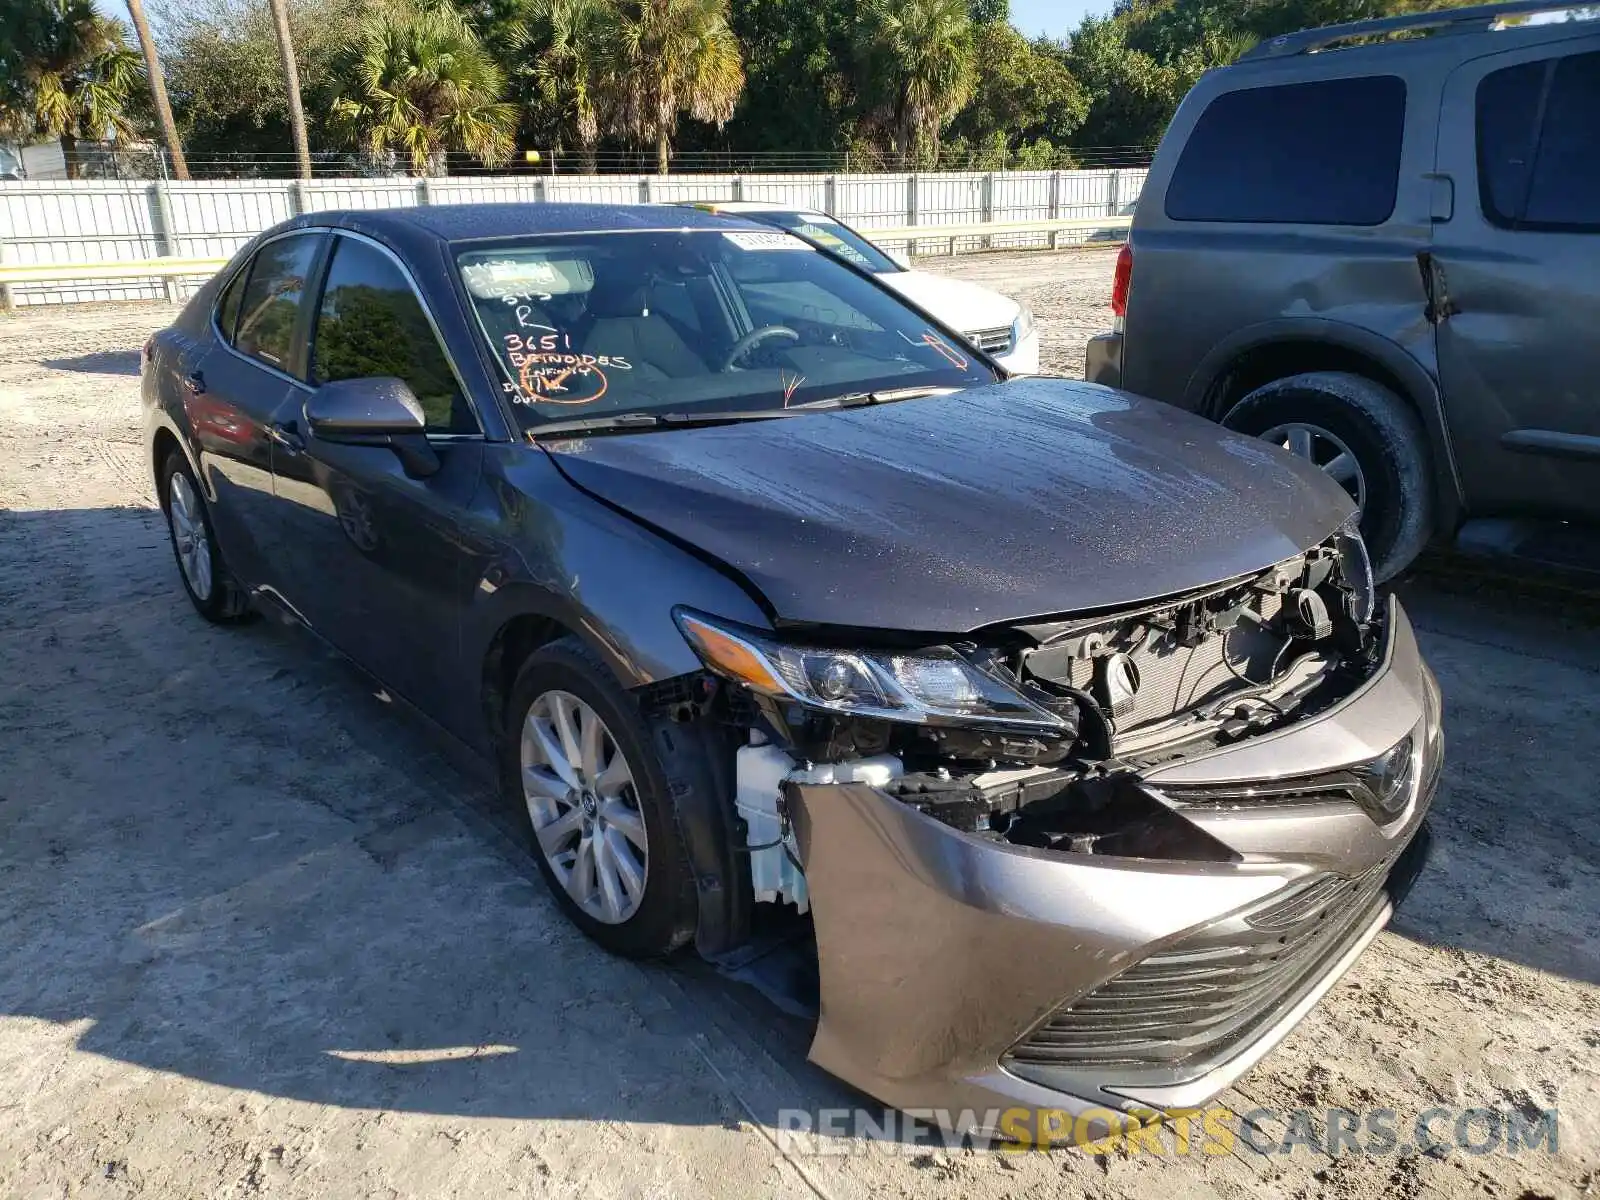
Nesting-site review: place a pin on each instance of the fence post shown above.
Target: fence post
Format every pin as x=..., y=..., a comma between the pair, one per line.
x=738, y=187
x=985, y=207
x=1116, y=193
x=7, y=300
x=425, y=190
x=297, y=197
x=830, y=196
x=911, y=211
x=1055, y=208
x=647, y=192
x=166, y=241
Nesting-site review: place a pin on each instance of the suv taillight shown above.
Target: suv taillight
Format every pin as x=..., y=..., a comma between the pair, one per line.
x=1122, y=281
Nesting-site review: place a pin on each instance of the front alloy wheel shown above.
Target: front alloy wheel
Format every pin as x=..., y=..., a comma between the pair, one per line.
x=584, y=807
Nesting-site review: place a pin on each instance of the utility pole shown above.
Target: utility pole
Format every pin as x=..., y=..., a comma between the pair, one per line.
x=291, y=76
x=158, y=89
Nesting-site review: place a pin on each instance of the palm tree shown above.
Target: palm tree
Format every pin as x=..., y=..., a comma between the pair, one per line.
x=291, y=78
x=158, y=89
x=922, y=50
x=422, y=84
x=79, y=75
x=568, y=41
x=671, y=57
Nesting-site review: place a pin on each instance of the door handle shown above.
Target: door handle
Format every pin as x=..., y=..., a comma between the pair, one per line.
x=195, y=381
x=287, y=435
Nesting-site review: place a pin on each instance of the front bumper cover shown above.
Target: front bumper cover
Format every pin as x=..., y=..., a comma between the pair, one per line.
x=939, y=952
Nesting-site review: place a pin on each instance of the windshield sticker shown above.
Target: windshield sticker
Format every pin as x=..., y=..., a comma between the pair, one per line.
x=513, y=280
x=765, y=241
x=939, y=346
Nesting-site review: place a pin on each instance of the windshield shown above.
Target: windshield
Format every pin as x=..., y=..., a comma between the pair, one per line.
x=827, y=234
x=742, y=321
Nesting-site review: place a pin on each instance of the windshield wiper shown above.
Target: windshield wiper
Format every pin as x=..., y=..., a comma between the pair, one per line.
x=623, y=422
x=885, y=396
x=629, y=421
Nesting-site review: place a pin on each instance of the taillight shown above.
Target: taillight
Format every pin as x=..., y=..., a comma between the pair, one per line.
x=1122, y=281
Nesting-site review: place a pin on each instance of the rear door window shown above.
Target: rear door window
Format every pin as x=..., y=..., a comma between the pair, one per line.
x=1541, y=174
x=269, y=307
x=1321, y=153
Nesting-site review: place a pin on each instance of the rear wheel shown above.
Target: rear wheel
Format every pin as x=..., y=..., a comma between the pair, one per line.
x=1367, y=440
x=211, y=588
x=579, y=766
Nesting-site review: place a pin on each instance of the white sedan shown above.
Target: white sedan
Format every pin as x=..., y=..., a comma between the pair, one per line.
x=996, y=324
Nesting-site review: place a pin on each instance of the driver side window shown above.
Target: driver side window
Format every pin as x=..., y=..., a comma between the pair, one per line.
x=371, y=323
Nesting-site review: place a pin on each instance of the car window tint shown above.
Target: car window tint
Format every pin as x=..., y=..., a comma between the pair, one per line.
x=271, y=300
x=371, y=323
x=1564, y=192
x=228, y=307
x=1508, y=117
x=1323, y=153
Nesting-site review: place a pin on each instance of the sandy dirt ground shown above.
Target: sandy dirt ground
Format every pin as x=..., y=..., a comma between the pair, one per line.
x=259, y=937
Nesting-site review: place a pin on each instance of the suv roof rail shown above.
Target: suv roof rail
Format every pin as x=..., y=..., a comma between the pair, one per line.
x=1477, y=19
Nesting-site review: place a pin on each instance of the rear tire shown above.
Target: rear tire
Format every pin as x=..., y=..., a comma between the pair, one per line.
x=215, y=593
x=596, y=809
x=1326, y=414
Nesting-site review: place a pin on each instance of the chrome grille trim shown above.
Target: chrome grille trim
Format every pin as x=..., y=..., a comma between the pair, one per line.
x=991, y=341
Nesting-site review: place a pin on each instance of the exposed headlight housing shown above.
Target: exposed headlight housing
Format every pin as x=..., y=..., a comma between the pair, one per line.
x=933, y=686
x=1022, y=327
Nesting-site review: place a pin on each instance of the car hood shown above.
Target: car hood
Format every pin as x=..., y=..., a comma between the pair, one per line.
x=1023, y=499
x=965, y=307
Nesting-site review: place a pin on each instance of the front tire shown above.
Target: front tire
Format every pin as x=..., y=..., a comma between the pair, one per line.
x=210, y=586
x=1366, y=438
x=578, y=764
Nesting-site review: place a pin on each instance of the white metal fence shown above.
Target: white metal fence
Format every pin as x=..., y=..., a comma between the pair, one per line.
x=84, y=221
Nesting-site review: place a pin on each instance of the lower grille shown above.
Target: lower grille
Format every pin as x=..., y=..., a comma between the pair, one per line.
x=1200, y=999
x=991, y=341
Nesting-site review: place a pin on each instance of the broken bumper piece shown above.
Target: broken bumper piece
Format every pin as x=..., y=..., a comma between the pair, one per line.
x=965, y=972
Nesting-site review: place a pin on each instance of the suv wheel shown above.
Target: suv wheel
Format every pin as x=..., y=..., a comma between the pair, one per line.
x=211, y=588
x=579, y=765
x=1367, y=439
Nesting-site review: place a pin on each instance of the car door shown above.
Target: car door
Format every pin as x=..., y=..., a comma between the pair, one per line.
x=378, y=566
x=1517, y=279
x=240, y=387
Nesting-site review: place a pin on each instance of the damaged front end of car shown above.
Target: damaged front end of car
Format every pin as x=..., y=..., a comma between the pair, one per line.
x=1100, y=859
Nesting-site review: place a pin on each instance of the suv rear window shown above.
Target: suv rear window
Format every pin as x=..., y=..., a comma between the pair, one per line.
x=1533, y=176
x=1323, y=153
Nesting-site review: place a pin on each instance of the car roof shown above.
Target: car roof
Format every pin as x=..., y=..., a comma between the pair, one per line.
x=466, y=222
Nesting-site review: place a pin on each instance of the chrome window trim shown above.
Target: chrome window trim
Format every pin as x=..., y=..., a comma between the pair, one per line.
x=306, y=385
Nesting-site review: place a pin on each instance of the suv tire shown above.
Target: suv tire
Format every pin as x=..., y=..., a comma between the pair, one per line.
x=567, y=677
x=1380, y=431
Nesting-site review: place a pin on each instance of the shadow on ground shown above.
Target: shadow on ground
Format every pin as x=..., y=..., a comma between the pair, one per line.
x=99, y=362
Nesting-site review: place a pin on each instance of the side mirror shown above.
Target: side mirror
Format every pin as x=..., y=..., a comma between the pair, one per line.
x=375, y=411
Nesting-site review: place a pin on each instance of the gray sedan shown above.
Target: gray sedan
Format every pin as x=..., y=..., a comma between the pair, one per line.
x=1070, y=723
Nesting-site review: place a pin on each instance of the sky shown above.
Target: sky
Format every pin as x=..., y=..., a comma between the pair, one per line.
x=1054, y=17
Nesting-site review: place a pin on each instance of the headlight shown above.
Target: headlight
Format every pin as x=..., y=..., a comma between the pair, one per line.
x=1022, y=327
x=1356, y=568
x=932, y=686
x=1391, y=778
